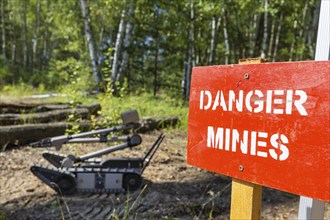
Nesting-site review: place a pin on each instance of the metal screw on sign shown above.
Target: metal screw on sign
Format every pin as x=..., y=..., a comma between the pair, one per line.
x=246, y=76
x=241, y=168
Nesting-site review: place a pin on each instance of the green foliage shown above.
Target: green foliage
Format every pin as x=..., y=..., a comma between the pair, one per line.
x=109, y=113
x=72, y=71
x=147, y=105
x=5, y=75
x=18, y=90
x=44, y=41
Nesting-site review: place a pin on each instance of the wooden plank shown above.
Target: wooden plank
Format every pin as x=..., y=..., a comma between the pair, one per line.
x=245, y=200
x=245, y=196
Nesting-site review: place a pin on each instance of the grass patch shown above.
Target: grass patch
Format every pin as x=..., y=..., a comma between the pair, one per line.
x=148, y=105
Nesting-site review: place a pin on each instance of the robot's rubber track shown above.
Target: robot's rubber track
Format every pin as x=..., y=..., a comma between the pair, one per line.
x=64, y=180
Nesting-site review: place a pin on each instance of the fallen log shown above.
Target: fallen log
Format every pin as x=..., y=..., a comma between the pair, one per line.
x=24, y=134
x=43, y=117
x=47, y=113
x=20, y=108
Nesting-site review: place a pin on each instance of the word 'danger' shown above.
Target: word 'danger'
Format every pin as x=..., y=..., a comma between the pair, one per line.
x=268, y=103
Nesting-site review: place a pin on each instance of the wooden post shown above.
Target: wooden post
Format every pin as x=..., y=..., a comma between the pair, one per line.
x=245, y=196
x=245, y=200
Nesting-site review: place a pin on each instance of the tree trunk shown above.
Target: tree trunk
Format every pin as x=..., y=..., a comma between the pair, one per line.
x=293, y=40
x=3, y=32
x=119, y=39
x=212, y=46
x=45, y=55
x=192, y=38
x=271, y=40
x=225, y=33
x=264, y=41
x=36, y=36
x=127, y=42
x=24, y=29
x=90, y=43
x=14, y=41
x=156, y=64
x=277, y=37
x=191, y=51
x=253, y=34
x=301, y=33
x=313, y=30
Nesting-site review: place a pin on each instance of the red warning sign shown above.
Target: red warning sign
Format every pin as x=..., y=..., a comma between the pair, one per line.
x=266, y=123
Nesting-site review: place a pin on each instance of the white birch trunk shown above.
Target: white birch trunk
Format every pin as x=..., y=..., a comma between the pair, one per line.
x=3, y=32
x=293, y=41
x=45, y=55
x=156, y=65
x=277, y=40
x=14, y=41
x=225, y=34
x=264, y=40
x=314, y=29
x=192, y=37
x=271, y=40
x=212, y=46
x=24, y=29
x=301, y=32
x=126, y=43
x=119, y=40
x=90, y=43
x=191, y=51
x=253, y=35
x=36, y=35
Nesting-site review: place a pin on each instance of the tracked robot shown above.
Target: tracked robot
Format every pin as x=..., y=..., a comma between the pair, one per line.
x=90, y=173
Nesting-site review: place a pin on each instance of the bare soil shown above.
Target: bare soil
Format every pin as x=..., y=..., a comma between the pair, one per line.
x=172, y=189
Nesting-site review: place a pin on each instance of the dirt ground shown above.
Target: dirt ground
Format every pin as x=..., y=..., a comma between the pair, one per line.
x=172, y=189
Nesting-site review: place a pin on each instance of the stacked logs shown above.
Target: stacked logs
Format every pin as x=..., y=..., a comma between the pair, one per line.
x=23, y=123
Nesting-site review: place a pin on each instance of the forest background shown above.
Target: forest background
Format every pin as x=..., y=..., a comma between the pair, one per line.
x=144, y=46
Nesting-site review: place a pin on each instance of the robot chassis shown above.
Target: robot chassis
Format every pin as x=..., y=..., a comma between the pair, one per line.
x=90, y=174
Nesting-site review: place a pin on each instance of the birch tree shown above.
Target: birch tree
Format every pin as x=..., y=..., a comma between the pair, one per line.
x=212, y=46
x=225, y=34
x=277, y=39
x=127, y=41
x=24, y=33
x=265, y=36
x=3, y=30
x=253, y=30
x=119, y=39
x=36, y=35
x=191, y=53
x=303, y=27
x=271, y=40
x=90, y=43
